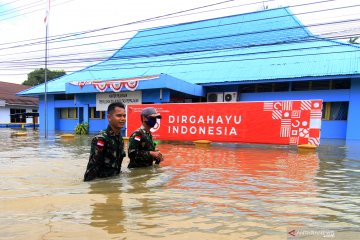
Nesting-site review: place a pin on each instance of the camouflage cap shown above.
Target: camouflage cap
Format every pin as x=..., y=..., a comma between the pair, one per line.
x=150, y=112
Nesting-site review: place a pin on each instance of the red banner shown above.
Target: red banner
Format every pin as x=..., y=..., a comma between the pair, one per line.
x=273, y=122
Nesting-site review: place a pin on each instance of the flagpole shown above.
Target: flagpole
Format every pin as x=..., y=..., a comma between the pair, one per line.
x=45, y=98
x=46, y=20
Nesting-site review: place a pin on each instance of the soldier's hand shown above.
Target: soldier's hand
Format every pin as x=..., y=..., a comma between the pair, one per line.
x=157, y=155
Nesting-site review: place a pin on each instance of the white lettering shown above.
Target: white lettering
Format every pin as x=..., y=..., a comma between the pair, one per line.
x=211, y=130
x=171, y=119
x=202, y=130
x=184, y=129
x=233, y=131
x=238, y=121
x=193, y=130
x=201, y=119
x=175, y=129
x=228, y=118
x=219, y=120
x=184, y=119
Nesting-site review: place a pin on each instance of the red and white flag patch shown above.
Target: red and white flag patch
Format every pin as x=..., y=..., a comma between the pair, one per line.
x=100, y=143
x=137, y=138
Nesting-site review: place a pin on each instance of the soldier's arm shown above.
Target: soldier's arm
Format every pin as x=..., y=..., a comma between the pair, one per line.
x=96, y=159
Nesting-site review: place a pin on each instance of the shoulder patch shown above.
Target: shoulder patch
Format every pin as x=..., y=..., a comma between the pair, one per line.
x=100, y=143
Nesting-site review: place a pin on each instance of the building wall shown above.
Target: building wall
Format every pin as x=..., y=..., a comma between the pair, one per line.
x=353, y=129
x=4, y=115
x=330, y=128
x=82, y=102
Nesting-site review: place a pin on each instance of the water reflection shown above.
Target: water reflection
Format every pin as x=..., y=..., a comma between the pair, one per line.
x=108, y=215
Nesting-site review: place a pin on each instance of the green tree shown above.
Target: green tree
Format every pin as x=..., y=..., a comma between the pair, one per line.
x=353, y=40
x=37, y=76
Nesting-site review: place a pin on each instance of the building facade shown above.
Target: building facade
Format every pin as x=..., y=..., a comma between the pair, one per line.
x=261, y=56
x=12, y=107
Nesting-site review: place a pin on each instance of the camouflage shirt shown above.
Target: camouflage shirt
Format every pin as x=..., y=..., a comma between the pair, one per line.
x=140, y=144
x=106, y=155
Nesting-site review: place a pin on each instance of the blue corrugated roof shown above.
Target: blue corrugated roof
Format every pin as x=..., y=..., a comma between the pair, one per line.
x=264, y=45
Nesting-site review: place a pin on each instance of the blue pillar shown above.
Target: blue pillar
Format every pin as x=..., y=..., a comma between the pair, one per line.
x=86, y=113
x=353, y=130
x=50, y=115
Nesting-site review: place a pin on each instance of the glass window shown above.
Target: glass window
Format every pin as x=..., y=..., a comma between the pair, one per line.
x=96, y=114
x=264, y=87
x=341, y=84
x=68, y=113
x=281, y=87
x=300, y=86
x=247, y=88
x=335, y=110
x=320, y=85
x=72, y=113
x=16, y=116
x=64, y=97
x=339, y=110
x=63, y=113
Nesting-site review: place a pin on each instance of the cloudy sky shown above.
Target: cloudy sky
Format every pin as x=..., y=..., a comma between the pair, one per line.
x=83, y=32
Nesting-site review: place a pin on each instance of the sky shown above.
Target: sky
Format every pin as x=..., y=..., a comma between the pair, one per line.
x=110, y=23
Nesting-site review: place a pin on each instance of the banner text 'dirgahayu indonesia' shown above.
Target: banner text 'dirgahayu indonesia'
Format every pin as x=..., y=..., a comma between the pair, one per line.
x=271, y=122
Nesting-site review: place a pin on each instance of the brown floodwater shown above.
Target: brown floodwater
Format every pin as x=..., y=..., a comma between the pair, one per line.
x=225, y=191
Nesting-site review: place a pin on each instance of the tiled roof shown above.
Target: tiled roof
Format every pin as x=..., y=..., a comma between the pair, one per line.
x=8, y=93
x=261, y=46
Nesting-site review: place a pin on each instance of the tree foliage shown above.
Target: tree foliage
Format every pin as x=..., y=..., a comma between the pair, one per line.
x=37, y=76
x=354, y=40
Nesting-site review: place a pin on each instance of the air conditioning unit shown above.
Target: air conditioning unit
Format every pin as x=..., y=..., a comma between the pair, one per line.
x=215, y=97
x=230, y=96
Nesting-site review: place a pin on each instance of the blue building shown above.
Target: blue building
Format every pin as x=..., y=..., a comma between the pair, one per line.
x=266, y=55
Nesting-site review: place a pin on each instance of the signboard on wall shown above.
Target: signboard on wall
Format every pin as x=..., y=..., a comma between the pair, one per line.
x=103, y=100
x=272, y=122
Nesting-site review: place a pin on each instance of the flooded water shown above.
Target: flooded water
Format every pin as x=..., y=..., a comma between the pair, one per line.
x=225, y=191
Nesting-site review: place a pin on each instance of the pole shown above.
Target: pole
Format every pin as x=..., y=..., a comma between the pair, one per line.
x=46, y=20
x=45, y=97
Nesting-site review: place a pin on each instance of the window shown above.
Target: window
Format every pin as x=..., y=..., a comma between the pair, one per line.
x=300, y=86
x=247, y=88
x=70, y=113
x=341, y=84
x=264, y=87
x=16, y=117
x=320, y=85
x=281, y=87
x=96, y=114
x=64, y=97
x=335, y=110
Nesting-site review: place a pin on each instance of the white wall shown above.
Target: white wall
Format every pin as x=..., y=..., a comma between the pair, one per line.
x=4, y=115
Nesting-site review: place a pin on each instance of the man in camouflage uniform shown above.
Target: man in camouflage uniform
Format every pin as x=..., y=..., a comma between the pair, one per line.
x=142, y=151
x=107, y=148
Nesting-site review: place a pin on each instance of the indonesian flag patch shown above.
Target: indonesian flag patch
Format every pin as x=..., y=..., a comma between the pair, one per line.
x=137, y=138
x=100, y=143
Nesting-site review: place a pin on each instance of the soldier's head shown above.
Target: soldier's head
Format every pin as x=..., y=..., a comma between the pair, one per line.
x=149, y=116
x=116, y=116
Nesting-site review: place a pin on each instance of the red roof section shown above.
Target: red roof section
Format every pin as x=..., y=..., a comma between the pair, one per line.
x=8, y=93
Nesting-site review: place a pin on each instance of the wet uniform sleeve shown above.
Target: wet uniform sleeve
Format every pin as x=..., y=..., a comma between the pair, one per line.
x=96, y=159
